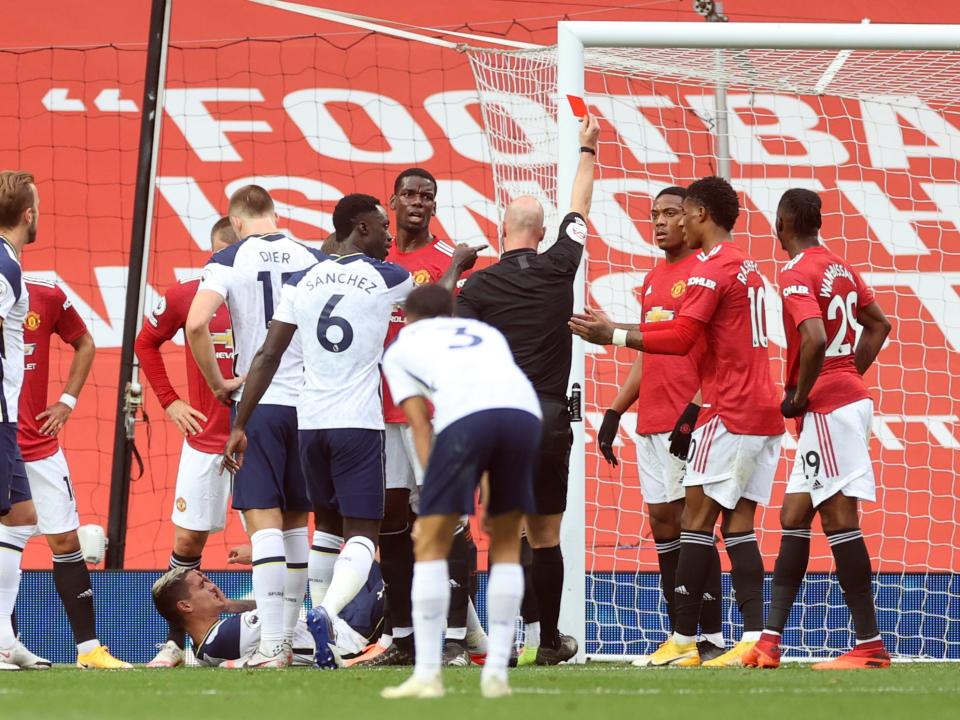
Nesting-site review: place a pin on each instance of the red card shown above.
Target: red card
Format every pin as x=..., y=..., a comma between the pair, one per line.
x=577, y=105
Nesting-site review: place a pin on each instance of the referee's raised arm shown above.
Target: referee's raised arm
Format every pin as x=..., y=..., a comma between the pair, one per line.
x=529, y=297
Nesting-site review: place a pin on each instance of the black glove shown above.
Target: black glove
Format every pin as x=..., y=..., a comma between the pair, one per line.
x=788, y=408
x=607, y=434
x=680, y=437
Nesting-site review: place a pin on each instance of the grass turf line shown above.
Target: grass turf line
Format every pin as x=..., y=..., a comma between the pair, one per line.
x=587, y=693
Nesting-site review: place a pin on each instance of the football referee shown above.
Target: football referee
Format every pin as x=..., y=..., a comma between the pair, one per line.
x=528, y=297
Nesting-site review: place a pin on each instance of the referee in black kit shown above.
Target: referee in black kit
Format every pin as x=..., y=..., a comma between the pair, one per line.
x=529, y=297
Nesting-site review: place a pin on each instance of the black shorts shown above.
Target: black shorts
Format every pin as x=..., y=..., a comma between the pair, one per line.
x=501, y=442
x=556, y=439
x=14, y=487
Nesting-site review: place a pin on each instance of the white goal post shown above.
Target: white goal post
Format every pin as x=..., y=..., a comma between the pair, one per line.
x=886, y=188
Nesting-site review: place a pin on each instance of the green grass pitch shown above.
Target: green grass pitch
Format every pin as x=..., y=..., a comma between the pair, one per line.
x=594, y=692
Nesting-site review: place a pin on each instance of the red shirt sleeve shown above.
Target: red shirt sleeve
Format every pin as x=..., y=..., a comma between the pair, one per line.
x=69, y=326
x=678, y=339
x=162, y=324
x=799, y=299
x=704, y=288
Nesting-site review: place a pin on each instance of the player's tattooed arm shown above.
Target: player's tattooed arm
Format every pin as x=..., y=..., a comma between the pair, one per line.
x=876, y=327
x=258, y=379
x=56, y=416
x=813, y=347
x=418, y=416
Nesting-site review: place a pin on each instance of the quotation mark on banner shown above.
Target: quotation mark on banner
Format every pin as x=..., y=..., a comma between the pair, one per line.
x=109, y=100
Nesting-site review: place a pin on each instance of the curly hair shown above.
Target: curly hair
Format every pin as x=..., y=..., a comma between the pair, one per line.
x=718, y=197
x=349, y=210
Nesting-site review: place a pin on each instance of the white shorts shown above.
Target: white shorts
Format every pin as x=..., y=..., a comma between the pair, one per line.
x=402, y=466
x=661, y=474
x=202, y=494
x=732, y=467
x=53, y=494
x=819, y=470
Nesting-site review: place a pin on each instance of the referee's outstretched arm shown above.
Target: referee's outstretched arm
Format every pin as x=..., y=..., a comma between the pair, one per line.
x=582, y=195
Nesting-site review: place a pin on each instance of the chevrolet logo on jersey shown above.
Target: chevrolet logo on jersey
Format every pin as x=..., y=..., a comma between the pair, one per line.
x=28, y=350
x=658, y=314
x=225, y=340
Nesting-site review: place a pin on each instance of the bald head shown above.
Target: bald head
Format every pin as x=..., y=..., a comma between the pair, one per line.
x=523, y=224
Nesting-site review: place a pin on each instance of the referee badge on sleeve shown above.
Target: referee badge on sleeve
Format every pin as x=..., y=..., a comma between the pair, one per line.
x=577, y=230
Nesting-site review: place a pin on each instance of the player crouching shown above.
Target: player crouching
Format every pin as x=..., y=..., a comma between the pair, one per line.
x=187, y=598
x=487, y=419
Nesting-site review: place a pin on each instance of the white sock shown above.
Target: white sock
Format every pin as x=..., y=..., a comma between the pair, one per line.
x=504, y=594
x=456, y=633
x=349, y=573
x=715, y=639
x=751, y=636
x=323, y=555
x=296, y=549
x=12, y=541
x=531, y=635
x=401, y=632
x=431, y=601
x=385, y=641
x=476, y=636
x=87, y=646
x=348, y=639
x=269, y=576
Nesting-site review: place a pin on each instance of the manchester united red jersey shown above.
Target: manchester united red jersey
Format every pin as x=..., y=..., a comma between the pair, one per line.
x=167, y=319
x=817, y=283
x=50, y=313
x=668, y=383
x=426, y=265
x=726, y=292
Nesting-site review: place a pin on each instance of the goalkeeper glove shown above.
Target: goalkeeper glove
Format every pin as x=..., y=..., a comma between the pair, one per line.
x=680, y=437
x=607, y=434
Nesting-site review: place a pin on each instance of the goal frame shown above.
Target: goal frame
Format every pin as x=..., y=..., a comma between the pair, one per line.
x=572, y=39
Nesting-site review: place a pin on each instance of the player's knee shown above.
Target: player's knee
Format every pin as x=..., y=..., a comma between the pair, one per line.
x=543, y=531
x=64, y=543
x=664, y=520
x=793, y=518
x=839, y=513
x=20, y=514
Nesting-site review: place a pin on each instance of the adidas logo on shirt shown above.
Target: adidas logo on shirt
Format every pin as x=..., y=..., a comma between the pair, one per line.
x=681, y=590
x=88, y=593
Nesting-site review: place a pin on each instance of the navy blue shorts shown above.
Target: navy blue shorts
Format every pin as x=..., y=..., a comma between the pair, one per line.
x=14, y=487
x=270, y=476
x=504, y=443
x=344, y=468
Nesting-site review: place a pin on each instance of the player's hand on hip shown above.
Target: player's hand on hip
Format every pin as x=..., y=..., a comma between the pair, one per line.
x=188, y=420
x=224, y=392
x=54, y=418
x=592, y=327
x=233, y=453
x=465, y=256
x=589, y=131
x=790, y=407
x=607, y=435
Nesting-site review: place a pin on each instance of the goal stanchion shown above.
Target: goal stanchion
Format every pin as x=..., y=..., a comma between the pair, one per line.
x=869, y=117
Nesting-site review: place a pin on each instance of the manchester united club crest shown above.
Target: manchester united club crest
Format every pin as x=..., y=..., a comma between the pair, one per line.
x=32, y=321
x=421, y=277
x=181, y=505
x=678, y=287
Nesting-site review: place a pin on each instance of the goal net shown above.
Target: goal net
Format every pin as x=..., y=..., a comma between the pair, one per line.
x=877, y=134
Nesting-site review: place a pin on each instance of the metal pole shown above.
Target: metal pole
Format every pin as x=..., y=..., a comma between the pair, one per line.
x=573, y=618
x=716, y=15
x=128, y=393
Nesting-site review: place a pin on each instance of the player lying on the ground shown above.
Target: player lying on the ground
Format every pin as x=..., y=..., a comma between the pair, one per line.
x=736, y=447
x=824, y=301
x=342, y=307
x=662, y=387
x=189, y=599
x=487, y=420
x=202, y=491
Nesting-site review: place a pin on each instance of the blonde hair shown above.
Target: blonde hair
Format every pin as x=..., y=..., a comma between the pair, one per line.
x=16, y=196
x=168, y=590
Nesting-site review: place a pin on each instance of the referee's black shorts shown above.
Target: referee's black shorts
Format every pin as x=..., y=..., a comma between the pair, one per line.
x=550, y=483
